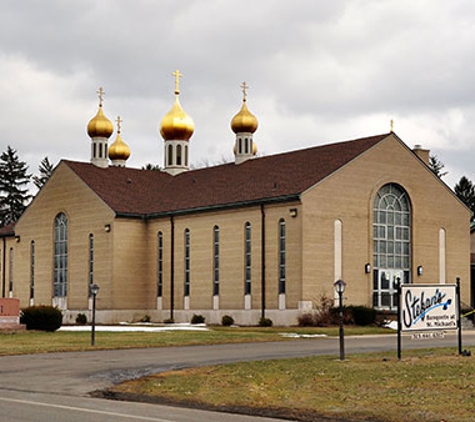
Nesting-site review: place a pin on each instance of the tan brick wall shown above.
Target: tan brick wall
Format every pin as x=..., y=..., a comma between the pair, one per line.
x=86, y=214
x=231, y=225
x=349, y=195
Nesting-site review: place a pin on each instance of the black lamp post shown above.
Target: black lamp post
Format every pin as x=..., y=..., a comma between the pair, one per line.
x=94, y=292
x=340, y=286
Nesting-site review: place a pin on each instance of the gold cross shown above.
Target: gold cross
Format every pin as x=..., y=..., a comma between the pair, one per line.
x=119, y=121
x=101, y=93
x=244, y=87
x=177, y=76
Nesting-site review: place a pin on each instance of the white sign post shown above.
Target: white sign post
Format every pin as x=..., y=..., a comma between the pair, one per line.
x=428, y=308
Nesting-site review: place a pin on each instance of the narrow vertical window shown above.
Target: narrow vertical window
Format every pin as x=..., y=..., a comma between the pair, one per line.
x=186, y=155
x=160, y=265
x=10, y=274
x=216, y=260
x=247, y=259
x=91, y=262
x=178, y=155
x=32, y=269
x=170, y=155
x=281, y=257
x=60, y=276
x=187, y=262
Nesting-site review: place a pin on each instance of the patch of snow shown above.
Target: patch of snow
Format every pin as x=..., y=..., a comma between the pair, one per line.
x=126, y=327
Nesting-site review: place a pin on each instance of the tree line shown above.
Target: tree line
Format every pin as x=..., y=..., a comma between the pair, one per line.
x=15, y=180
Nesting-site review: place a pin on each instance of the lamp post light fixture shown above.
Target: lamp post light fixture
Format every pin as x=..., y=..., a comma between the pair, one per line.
x=340, y=286
x=94, y=291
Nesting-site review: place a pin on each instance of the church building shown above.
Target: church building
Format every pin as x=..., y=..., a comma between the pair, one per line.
x=258, y=237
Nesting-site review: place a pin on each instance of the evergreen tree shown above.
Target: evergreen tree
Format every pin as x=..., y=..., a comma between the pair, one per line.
x=437, y=166
x=151, y=166
x=14, y=179
x=465, y=191
x=46, y=169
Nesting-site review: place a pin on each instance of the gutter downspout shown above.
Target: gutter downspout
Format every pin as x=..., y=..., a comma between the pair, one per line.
x=263, y=262
x=172, y=267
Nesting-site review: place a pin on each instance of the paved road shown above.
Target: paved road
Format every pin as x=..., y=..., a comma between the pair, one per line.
x=55, y=387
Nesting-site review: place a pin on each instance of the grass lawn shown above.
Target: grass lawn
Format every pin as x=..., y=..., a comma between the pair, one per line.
x=427, y=386
x=24, y=342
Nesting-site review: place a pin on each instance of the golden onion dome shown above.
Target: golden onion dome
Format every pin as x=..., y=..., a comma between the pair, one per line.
x=176, y=124
x=244, y=121
x=100, y=125
x=119, y=150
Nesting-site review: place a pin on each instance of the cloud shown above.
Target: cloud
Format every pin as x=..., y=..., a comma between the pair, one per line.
x=319, y=72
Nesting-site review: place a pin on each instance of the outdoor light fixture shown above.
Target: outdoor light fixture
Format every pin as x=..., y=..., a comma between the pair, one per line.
x=94, y=289
x=367, y=268
x=420, y=270
x=107, y=228
x=17, y=239
x=340, y=287
x=293, y=212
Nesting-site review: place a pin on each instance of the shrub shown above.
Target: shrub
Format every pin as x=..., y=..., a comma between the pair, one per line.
x=169, y=321
x=265, y=322
x=146, y=318
x=362, y=315
x=42, y=318
x=81, y=319
x=227, y=320
x=307, y=319
x=197, y=319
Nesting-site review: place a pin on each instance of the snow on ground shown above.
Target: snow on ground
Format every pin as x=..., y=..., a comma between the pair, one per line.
x=124, y=327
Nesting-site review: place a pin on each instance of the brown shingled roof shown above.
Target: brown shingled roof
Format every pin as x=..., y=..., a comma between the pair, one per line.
x=8, y=230
x=143, y=192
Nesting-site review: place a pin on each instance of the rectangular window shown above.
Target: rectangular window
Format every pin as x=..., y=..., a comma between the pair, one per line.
x=91, y=262
x=216, y=261
x=160, y=265
x=187, y=262
x=282, y=246
x=10, y=273
x=32, y=269
x=247, y=260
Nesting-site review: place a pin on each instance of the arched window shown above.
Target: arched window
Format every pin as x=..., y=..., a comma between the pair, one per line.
x=282, y=256
x=216, y=260
x=391, y=244
x=10, y=274
x=187, y=262
x=247, y=259
x=91, y=262
x=170, y=155
x=178, y=155
x=32, y=270
x=60, y=277
x=160, y=265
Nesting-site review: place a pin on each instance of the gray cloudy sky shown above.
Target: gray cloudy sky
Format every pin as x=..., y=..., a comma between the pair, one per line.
x=319, y=71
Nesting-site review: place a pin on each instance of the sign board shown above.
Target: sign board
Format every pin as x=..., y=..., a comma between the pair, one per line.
x=428, y=307
x=9, y=311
